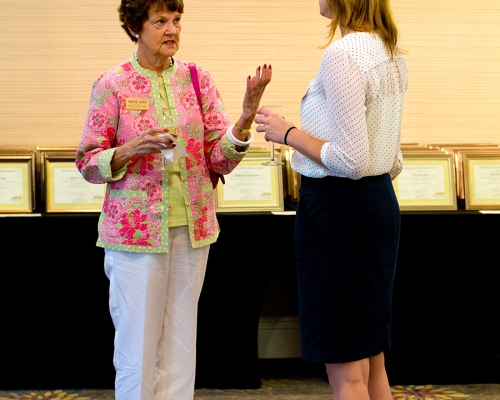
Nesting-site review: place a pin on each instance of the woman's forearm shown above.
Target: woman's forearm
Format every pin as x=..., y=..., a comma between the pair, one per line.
x=121, y=156
x=306, y=145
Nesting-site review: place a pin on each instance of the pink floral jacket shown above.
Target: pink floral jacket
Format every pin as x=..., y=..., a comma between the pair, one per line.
x=134, y=216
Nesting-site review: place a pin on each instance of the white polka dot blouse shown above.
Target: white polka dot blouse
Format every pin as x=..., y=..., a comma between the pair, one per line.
x=355, y=104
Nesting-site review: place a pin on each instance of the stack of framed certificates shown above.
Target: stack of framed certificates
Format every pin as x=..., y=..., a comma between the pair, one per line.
x=443, y=176
x=478, y=174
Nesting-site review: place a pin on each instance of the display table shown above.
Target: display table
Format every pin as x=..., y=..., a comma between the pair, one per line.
x=57, y=332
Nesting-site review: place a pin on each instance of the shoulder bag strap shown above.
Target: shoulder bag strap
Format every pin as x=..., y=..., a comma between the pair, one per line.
x=196, y=83
x=214, y=177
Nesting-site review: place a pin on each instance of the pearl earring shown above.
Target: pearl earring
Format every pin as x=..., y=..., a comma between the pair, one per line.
x=137, y=36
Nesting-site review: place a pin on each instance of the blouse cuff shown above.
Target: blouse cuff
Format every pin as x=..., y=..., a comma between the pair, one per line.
x=104, y=164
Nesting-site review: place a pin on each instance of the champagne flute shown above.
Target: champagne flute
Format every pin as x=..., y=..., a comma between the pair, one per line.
x=277, y=109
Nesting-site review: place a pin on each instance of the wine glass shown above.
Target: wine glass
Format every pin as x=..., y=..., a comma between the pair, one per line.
x=277, y=109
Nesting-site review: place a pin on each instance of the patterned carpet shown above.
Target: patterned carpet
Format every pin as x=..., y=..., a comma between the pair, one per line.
x=295, y=379
x=282, y=389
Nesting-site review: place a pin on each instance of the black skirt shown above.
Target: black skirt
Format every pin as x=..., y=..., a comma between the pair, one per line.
x=346, y=243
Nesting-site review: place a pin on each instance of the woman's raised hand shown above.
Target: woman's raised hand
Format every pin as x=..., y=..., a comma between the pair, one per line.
x=255, y=89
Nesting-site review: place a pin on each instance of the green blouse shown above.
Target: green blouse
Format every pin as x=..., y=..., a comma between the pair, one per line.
x=177, y=214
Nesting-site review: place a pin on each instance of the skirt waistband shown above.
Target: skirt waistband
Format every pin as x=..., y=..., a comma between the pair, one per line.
x=307, y=182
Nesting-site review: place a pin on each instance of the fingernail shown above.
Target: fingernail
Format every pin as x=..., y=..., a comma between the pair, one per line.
x=165, y=130
x=265, y=65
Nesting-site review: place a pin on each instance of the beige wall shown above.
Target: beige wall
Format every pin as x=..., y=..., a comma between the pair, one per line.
x=53, y=51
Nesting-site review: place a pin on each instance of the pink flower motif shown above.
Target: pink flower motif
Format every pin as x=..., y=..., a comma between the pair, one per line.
x=190, y=101
x=194, y=150
x=200, y=223
x=96, y=120
x=134, y=230
x=147, y=164
x=123, y=82
x=213, y=121
x=154, y=191
x=113, y=210
x=127, y=66
x=105, y=139
x=139, y=84
x=204, y=84
x=141, y=165
x=144, y=123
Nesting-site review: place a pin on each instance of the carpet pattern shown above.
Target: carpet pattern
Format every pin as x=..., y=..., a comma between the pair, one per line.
x=281, y=389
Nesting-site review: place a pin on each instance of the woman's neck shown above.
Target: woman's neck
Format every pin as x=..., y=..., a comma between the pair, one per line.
x=156, y=65
x=346, y=31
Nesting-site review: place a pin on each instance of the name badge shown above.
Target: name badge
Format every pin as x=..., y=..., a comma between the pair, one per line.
x=137, y=104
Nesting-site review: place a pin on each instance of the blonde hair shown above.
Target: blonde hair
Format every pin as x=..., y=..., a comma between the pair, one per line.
x=368, y=16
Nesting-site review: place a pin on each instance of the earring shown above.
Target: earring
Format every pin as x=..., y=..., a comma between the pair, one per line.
x=137, y=36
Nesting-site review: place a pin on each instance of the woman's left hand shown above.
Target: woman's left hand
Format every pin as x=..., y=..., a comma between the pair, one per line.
x=255, y=89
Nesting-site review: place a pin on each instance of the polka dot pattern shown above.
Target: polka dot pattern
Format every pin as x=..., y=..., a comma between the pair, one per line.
x=355, y=104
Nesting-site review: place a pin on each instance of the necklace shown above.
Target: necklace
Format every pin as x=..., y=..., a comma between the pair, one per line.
x=171, y=59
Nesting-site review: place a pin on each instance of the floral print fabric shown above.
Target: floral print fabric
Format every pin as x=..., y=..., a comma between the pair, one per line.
x=135, y=210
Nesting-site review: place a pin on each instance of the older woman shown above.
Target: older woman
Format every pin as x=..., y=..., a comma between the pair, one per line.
x=156, y=224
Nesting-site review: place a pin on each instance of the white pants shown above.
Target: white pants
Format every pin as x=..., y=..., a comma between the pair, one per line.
x=153, y=300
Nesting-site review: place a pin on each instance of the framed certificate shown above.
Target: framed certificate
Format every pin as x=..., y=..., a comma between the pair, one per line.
x=457, y=152
x=65, y=188
x=252, y=186
x=42, y=152
x=17, y=181
x=427, y=182
x=481, y=180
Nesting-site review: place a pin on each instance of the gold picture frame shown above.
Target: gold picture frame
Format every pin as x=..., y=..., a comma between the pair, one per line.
x=42, y=152
x=65, y=189
x=414, y=146
x=481, y=180
x=17, y=181
x=252, y=186
x=13, y=149
x=291, y=178
x=427, y=182
x=457, y=152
